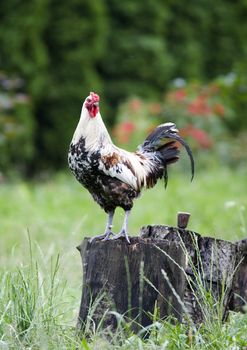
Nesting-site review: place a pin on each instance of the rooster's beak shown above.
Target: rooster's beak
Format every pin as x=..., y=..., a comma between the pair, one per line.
x=96, y=104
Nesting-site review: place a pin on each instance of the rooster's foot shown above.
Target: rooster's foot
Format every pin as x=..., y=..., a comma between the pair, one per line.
x=121, y=234
x=104, y=237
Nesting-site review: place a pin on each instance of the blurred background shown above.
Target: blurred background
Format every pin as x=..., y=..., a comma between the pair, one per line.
x=151, y=61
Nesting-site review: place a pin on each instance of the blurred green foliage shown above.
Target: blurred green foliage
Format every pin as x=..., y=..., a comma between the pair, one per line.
x=63, y=50
x=16, y=126
x=204, y=114
x=234, y=91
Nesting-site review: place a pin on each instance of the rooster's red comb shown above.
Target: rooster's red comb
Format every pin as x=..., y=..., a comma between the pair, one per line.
x=94, y=96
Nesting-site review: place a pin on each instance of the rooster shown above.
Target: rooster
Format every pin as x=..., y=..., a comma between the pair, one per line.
x=113, y=176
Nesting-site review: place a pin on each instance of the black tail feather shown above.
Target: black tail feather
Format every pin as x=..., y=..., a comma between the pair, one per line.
x=165, y=176
x=156, y=141
x=188, y=150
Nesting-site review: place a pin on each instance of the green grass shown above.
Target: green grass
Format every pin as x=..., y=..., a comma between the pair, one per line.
x=40, y=294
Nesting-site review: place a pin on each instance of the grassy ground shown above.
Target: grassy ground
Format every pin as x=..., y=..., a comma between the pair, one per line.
x=40, y=292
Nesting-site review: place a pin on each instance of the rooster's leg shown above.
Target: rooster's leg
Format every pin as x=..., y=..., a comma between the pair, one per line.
x=124, y=229
x=108, y=228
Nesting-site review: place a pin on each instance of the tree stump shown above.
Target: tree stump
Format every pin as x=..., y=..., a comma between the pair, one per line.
x=167, y=270
x=127, y=278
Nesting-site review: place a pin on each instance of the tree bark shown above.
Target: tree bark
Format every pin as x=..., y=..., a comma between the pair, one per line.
x=240, y=279
x=127, y=278
x=167, y=270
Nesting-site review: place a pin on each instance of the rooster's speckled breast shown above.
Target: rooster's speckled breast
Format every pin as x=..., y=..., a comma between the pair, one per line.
x=107, y=191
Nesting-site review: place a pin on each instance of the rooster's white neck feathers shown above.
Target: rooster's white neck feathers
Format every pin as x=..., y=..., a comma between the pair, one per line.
x=131, y=168
x=93, y=131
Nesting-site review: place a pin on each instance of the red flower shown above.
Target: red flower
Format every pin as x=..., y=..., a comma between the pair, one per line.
x=199, y=106
x=123, y=131
x=180, y=94
x=135, y=105
x=219, y=109
x=177, y=95
x=127, y=126
x=155, y=108
x=199, y=135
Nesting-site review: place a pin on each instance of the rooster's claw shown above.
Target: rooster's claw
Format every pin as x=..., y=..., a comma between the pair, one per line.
x=120, y=235
x=104, y=237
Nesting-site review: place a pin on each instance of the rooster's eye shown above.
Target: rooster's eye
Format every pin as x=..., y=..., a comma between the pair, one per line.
x=89, y=100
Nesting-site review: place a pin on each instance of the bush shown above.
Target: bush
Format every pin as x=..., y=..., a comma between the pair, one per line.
x=233, y=89
x=63, y=50
x=55, y=46
x=16, y=126
x=201, y=111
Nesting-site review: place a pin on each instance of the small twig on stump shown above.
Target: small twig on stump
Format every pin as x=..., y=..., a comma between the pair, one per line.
x=183, y=219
